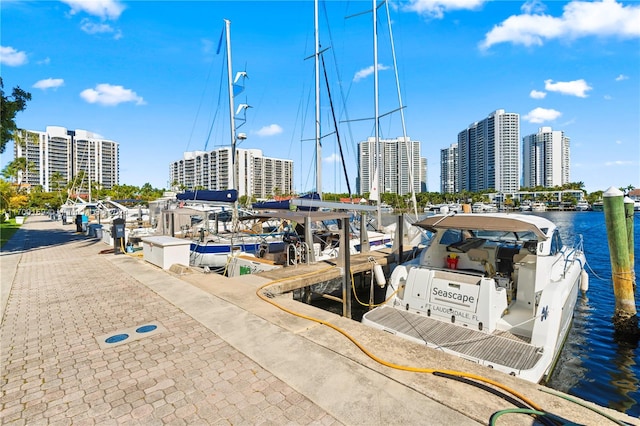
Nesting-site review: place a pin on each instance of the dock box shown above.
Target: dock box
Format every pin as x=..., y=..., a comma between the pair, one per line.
x=164, y=251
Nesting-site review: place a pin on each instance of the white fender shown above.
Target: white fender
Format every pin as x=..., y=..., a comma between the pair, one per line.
x=379, y=274
x=584, y=281
x=397, y=280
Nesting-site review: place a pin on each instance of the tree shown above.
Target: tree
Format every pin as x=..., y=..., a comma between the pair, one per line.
x=18, y=169
x=9, y=107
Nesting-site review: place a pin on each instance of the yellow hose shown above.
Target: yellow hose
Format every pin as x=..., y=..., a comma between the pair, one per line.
x=380, y=360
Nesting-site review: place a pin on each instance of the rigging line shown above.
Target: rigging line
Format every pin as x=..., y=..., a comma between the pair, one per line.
x=340, y=87
x=335, y=123
x=404, y=128
x=193, y=126
x=213, y=122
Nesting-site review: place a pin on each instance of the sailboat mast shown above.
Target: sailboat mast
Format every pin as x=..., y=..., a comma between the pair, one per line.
x=377, y=114
x=317, y=72
x=234, y=178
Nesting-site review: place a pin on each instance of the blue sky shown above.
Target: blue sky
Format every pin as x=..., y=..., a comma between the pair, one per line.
x=146, y=74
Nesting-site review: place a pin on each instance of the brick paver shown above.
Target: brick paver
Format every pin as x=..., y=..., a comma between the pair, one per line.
x=53, y=371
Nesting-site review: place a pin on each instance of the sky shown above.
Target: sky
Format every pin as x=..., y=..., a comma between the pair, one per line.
x=151, y=75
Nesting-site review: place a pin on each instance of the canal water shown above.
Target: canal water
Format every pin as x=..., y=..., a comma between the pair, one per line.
x=595, y=364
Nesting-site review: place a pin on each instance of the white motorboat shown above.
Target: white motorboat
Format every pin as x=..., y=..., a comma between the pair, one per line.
x=538, y=206
x=583, y=206
x=497, y=289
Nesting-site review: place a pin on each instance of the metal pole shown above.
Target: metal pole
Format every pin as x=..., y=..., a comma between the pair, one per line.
x=317, y=72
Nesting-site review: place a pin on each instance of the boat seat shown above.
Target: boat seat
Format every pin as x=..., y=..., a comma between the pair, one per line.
x=465, y=245
x=478, y=255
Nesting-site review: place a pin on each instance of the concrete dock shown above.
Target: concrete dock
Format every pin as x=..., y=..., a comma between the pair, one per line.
x=89, y=337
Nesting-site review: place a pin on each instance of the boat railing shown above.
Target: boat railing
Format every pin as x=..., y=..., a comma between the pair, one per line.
x=571, y=255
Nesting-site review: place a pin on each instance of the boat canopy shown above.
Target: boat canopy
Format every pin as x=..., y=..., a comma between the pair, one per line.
x=226, y=196
x=484, y=222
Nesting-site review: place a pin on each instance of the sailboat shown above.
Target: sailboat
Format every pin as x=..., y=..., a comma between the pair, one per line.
x=214, y=250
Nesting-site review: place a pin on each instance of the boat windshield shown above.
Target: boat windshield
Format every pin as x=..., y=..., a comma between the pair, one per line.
x=451, y=236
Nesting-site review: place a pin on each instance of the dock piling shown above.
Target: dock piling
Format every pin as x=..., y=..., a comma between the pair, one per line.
x=625, y=319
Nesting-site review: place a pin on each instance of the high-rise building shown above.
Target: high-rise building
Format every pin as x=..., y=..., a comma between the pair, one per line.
x=424, y=180
x=488, y=153
x=398, y=164
x=61, y=153
x=545, y=158
x=449, y=170
x=257, y=176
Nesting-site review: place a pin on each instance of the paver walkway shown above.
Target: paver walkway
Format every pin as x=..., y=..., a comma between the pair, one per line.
x=55, y=370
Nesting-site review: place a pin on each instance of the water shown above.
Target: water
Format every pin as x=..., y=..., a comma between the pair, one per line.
x=594, y=365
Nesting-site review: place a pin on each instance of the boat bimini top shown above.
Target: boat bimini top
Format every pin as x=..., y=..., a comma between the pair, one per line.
x=505, y=222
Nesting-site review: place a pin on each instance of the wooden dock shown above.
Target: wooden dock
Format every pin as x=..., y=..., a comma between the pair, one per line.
x=294, y=277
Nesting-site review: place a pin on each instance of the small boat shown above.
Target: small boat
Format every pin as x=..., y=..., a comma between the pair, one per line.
x=483, y=208
x=497, y=289
x=598, y=206
x=538, y=206
x=583, y=206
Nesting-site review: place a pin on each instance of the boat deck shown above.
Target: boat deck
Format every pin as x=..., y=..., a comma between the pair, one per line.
x=500, y=347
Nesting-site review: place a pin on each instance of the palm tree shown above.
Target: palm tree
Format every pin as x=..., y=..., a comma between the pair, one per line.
x=18, y=169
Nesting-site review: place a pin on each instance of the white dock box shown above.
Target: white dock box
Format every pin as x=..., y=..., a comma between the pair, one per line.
x=164, y=251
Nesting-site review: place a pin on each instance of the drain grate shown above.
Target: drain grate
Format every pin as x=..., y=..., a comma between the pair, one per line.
x=129, y=334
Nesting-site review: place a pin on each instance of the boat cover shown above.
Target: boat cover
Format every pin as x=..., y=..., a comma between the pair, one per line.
x=225, y=196
x=485, y=222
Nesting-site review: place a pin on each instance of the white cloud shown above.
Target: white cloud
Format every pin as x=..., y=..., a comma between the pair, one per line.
x=622, y=77
x=270, y=130
x=45, y=61
x=619, y=163
x=540, y=115
x=49, y=83
x=575, y=88
x=99, y=28
x=103, y=9
x=608, y=97
x=535, y=94
x=333, y=158
x=107, y=94
x=366, y=72
x=579, y=19
x=11, y=57
x=533, y=6
x=436, y=8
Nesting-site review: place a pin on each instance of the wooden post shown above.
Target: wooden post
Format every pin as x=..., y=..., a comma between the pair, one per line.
x=628, y=214
x=346, y=276
x=400, y=239
x=624, y=318
x=364, y=234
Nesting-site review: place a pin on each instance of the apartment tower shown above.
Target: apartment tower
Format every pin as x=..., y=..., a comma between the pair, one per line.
x=488, y=154
x=545, y=158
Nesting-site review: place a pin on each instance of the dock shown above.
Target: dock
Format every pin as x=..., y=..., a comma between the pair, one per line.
x=302, y=275
x=97, y=338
